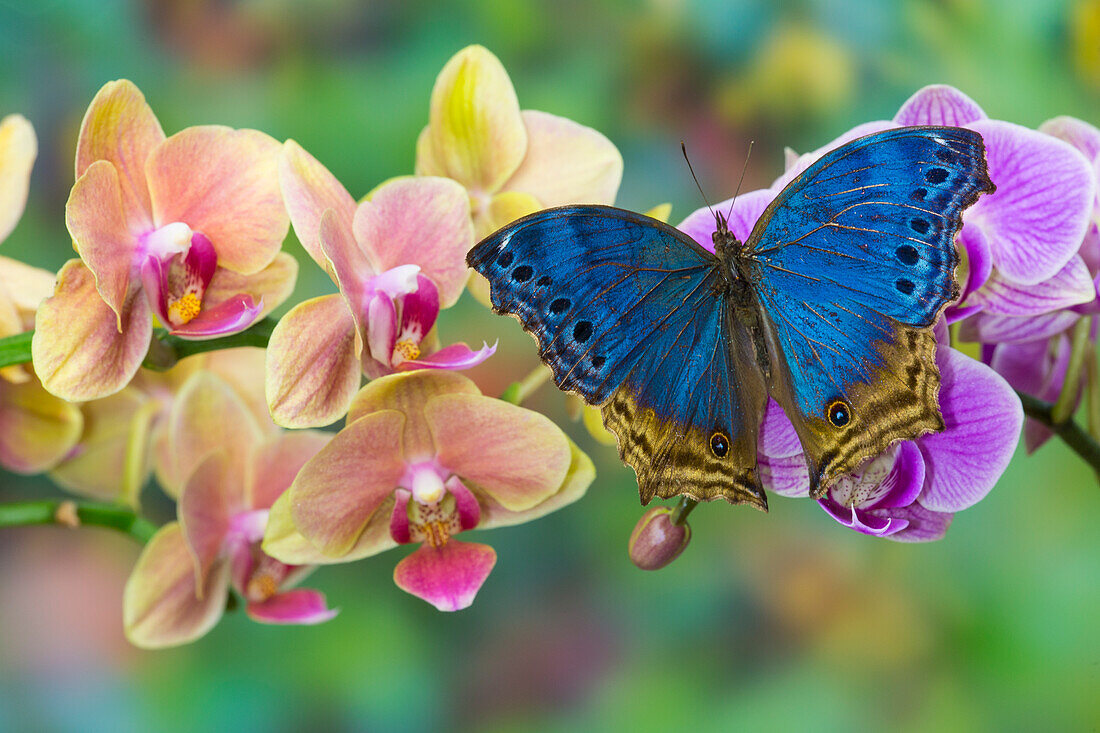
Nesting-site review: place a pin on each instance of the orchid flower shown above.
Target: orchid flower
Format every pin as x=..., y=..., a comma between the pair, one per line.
x=424, y=456
x=234, y=474
x=185, y=229
x=397, y=258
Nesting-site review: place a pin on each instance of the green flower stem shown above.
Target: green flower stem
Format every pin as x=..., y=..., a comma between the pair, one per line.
x=1092, y=394
x=1076, y=437
x=16, y=349
x=1071, y=388
x=517, y=392
x=682, y=510
x=69, y=513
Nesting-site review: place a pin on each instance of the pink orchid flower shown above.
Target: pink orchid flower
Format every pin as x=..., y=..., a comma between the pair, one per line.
x=397, y=258
x=425, y=455
x=179, y=587
x=186, y=229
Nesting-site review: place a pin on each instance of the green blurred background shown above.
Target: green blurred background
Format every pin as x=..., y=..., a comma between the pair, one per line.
x=767, y=621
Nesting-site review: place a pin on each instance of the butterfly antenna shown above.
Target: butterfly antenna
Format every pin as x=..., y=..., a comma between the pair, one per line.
x=740, y=180
x=687, y=160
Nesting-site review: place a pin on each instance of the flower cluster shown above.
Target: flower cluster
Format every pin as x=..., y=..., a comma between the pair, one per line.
x=179, y=240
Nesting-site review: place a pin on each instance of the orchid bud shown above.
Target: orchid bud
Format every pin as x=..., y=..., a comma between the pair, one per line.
x=656, y=541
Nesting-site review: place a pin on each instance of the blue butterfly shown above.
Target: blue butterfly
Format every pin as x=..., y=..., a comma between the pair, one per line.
x=827, y=307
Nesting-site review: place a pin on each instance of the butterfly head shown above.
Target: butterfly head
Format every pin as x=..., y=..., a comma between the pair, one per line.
x=726, y=244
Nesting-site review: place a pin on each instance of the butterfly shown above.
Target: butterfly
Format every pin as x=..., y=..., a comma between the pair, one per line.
x=827, y=308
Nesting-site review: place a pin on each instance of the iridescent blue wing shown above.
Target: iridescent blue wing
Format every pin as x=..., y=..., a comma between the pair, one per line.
x=852, y=263
x=629, y=314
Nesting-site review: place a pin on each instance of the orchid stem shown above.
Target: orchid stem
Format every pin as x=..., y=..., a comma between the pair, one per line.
x=682, y=510
x=69, y=513
x=1071, y=388
x=1092, y=394
x=1076, y=437
x=517, y=392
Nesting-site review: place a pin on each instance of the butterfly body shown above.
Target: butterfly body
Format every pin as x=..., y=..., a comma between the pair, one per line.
x=826, y=307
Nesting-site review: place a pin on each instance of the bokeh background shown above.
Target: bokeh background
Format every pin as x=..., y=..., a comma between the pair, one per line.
x=767, y=621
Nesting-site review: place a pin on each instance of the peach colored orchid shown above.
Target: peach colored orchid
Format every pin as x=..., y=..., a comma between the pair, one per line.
x=126, y=435
x=397, y=258
x=232, y=473
x=512, y=162
x=185, y=229
x=37, y=429
x=425, y=455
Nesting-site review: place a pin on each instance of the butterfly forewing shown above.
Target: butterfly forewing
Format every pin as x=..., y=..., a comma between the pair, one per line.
x=853, y=262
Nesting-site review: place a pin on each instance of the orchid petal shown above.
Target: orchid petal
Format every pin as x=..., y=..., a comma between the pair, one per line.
x=18, y=149
x=120, y=128
x=207, y=416
x=447, y=577
x=420, y=308
x=501, y=210
x=308, y=190
x=1045, y=190
x=338, y=490
x=410, y=393
x=454, y=356
x=97, y=224
x=232, y=315
x=1007, y=329
x=1070, y=286
x=160, y=606
x=516, y=456
x=37, y=430
x=983, y=417
x=312, y=371
x=906, y=478
x=276, y=462
x=110, y=462
x=1078, y=133
x=80, y=351
x=922, y=524
x=577, y=479
x=743, y=214
x=566, y=163
x=979, y=259
x=270, y=287
x=207, y=502
x=286, y=544
x=299, y=606
x=351, y=269
x=475, y=132
x=225, y=184
x=238, y=368
x=777, y=436
x=939, y=104
x=25, y=287
x=784, y=475
x=421, y=221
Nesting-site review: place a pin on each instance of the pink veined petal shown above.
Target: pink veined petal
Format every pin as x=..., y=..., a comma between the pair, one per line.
x=786, y=476
x=232, y=315
x=275, y=464
x=700, y=224
x=1024, y=366
x=298, y=606
x=979, y=259
x=1072, y=285
x=939, y=104
x=1006, y=329
x=1078, y=133
x=1036, y=219
x=160, y=606
x=225, y=184
x=921, y=524
x=777, y=436
x=566, y=163
x=423, y=221
x=983, y=417
x=448, y=577
x=96, y=221
x=312, y=371
x=516, y=456
x=340, y=488
x=309, y=189
x=205, y=506
x=120, y=128
x=79, y=351
x=454, y=356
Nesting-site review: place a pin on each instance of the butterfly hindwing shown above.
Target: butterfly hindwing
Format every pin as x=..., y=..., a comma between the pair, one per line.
x=853, y=262
x=628, y=313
